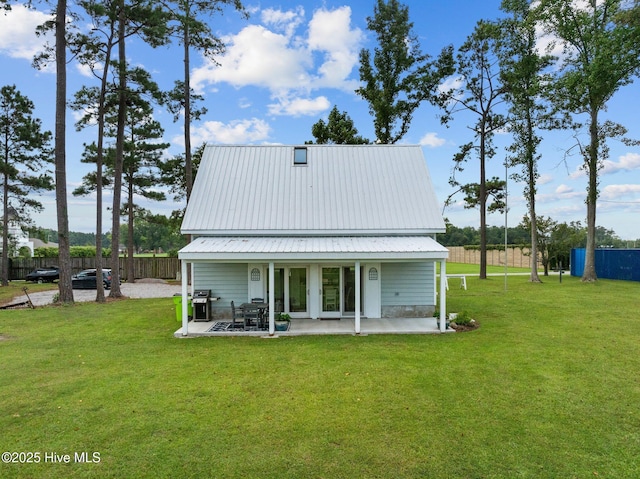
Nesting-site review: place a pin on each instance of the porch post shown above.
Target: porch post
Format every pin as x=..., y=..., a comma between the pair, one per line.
x=443, y=295
x=357, y=299
x=272, y=299
x=184, y=283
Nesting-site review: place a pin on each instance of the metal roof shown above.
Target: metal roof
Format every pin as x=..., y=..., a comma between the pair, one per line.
x=273, y=248
x=341, y=190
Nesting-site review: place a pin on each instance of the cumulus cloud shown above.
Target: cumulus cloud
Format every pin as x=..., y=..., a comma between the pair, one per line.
x=628, y=162
x=432, y=140
x=232, y=133
x=18, y=32
x=300, y=106
x=619, y=191
x=544, y=179
x=273, y=55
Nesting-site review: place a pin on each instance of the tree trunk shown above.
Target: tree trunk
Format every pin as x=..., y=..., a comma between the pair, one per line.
x=64, y=284
x=534, y=278
x=130, y=273
x=5, y=221
x=589, y=273
x=100, y=298
x=483, y=205
x=117, y=174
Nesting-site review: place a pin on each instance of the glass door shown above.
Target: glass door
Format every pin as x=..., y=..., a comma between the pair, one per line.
x=330, y=282
x=297, y=290
x=349, y=290
x=290, y=291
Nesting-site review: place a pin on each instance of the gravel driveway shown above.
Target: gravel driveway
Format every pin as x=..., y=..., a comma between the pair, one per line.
x=131, y=290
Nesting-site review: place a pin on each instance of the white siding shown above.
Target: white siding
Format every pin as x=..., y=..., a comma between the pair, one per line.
x=407, y=284
x=225, y=280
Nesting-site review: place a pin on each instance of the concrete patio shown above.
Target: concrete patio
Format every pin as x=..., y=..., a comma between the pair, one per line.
x=302, y=327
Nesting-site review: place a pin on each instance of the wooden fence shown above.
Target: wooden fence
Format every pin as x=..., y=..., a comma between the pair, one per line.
x=168, y=268
x=143, y=267
x=516, y=257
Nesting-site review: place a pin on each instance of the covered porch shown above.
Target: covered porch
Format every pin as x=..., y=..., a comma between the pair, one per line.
x=343, y=326
x=315, y=258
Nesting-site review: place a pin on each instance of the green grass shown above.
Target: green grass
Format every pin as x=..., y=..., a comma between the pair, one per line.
x=546, y=388
x=471, y=269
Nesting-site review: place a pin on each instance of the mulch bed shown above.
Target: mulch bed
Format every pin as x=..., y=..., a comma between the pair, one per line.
x=463, y=328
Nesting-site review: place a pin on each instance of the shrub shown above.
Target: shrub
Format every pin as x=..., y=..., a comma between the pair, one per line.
x=464, y=319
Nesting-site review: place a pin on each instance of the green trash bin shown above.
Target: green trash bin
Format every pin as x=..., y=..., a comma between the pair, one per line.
x=177, y=300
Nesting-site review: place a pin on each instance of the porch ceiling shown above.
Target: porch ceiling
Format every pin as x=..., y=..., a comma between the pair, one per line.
x=313, y=248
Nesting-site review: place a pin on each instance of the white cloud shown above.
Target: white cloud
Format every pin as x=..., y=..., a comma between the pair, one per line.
x=272, y=56
x=285, y=21
x=257, y=56
x=451, y=83
x=628, y=162
x=544, y=179
x=18, y=32
x=299, y=106
x=619, y=191
x=431, y=140
x=233, y=133
x=330, y=32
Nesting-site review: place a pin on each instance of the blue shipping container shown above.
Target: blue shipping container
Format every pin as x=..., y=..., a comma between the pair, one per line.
x=621, y=264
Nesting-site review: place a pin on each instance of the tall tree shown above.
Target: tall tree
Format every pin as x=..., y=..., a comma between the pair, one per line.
x=601, y=54
x=96, y=50
x=64, y=283
x=480, y=93
x=153, y=20
x=24, y=158
x=194, y=32
x=141, y=167
x=400, y=77
x=524, y=79
x=339, y=130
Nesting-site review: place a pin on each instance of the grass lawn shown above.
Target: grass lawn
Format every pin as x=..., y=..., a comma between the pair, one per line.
x=547, y=387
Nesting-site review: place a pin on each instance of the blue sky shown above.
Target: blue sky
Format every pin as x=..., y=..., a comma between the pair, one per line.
x=288, y=65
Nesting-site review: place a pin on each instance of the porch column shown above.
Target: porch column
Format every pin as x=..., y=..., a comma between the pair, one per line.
x=357, y=299
x=443, y=295
x=272, y=299
x=184, y=280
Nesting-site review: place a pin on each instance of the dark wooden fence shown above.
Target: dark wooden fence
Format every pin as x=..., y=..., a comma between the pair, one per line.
x=144, y=267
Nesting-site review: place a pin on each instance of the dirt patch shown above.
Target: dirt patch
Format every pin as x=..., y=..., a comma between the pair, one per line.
x=461, y=328
x=150, y=281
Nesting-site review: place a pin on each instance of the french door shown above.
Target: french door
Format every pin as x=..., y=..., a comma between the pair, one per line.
x=291, y=290
x=338, y=291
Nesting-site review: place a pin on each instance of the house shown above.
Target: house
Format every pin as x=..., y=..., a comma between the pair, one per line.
x=340, y=231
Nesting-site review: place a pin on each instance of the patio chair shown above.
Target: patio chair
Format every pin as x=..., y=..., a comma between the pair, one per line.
x=251, y=318
x=236, y=317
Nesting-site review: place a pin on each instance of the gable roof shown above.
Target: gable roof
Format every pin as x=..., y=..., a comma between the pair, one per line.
x=341, y=190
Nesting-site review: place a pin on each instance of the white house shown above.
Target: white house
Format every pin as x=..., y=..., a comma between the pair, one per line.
x=319, y=231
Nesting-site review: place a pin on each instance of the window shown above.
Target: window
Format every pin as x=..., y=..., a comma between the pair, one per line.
x=255, y=274
x=299, y=156
x=373, y=274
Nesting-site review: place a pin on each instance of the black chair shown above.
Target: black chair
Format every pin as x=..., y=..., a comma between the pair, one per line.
x=235, y=316
x=251, y=318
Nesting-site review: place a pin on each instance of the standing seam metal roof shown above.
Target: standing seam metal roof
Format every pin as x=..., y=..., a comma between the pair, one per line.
x=342, y=190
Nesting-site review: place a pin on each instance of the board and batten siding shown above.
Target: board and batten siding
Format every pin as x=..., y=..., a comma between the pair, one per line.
x=407, y=289
x=228, y=281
